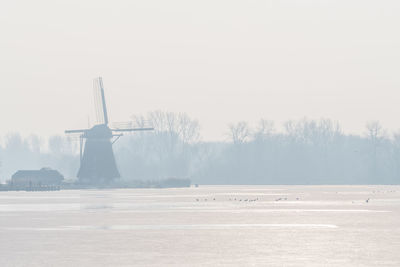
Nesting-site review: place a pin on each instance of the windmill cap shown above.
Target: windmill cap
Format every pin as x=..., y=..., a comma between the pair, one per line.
x=99, y=131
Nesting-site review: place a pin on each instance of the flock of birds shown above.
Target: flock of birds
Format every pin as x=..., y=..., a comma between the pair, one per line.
x=256, y=199
x=238, y=199
x=285, y=198
x=245, y=199
x=232, y=199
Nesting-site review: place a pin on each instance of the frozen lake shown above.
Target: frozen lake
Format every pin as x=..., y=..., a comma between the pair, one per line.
x=205, y=226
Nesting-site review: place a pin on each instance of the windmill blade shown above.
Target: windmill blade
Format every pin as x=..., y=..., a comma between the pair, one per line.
x=75, y=131
x=97, y=103
x=132, y=130
x=122, y=125
x=100, y=101
x=74, y=137
x=103, y=101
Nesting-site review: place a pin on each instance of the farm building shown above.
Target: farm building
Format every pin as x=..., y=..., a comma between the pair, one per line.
x=44, y=176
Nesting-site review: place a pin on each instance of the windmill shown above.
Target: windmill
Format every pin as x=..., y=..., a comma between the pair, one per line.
x=97, y=161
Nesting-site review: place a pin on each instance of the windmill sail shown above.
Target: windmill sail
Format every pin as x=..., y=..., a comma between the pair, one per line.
x=100, y=101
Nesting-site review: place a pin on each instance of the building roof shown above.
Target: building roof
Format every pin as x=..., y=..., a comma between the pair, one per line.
x=43, y=172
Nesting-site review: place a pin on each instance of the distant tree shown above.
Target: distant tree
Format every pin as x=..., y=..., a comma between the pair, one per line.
x=265, y=129
x=306, y=152
x=62, y=145
x=169, y=150
x=396, y=155
x=14, y=142
x=56, y=144
x=375, y=135
x=239, y=132
x=375, y=132
x=35, y=143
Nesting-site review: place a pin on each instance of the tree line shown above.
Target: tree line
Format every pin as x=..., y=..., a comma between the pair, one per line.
x=305, y=152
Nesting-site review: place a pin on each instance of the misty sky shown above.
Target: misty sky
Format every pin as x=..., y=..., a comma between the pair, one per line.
x=219, y=61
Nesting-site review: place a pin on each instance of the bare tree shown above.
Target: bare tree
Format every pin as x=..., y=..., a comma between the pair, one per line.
x=264, y=129
x=239, y=132
x=177, y=125
x=314, y=132
x=139, y=121
x=35, y=143
x=55, y=144
x=188, y=129
x=375, y=131
x=375, y=135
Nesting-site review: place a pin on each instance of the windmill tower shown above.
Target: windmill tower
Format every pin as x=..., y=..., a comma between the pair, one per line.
x=97, y=161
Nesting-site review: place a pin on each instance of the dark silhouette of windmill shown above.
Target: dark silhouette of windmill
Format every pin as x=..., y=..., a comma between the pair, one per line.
x=97, y=161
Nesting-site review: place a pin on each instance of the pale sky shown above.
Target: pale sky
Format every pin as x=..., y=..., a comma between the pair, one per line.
x=218, y=61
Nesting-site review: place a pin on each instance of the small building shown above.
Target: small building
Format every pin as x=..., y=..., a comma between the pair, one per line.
x=44, y=176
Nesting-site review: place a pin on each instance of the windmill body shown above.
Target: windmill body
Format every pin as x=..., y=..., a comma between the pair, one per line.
x=97, y=161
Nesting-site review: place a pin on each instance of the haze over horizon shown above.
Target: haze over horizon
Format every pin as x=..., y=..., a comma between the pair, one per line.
x=218, y=61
